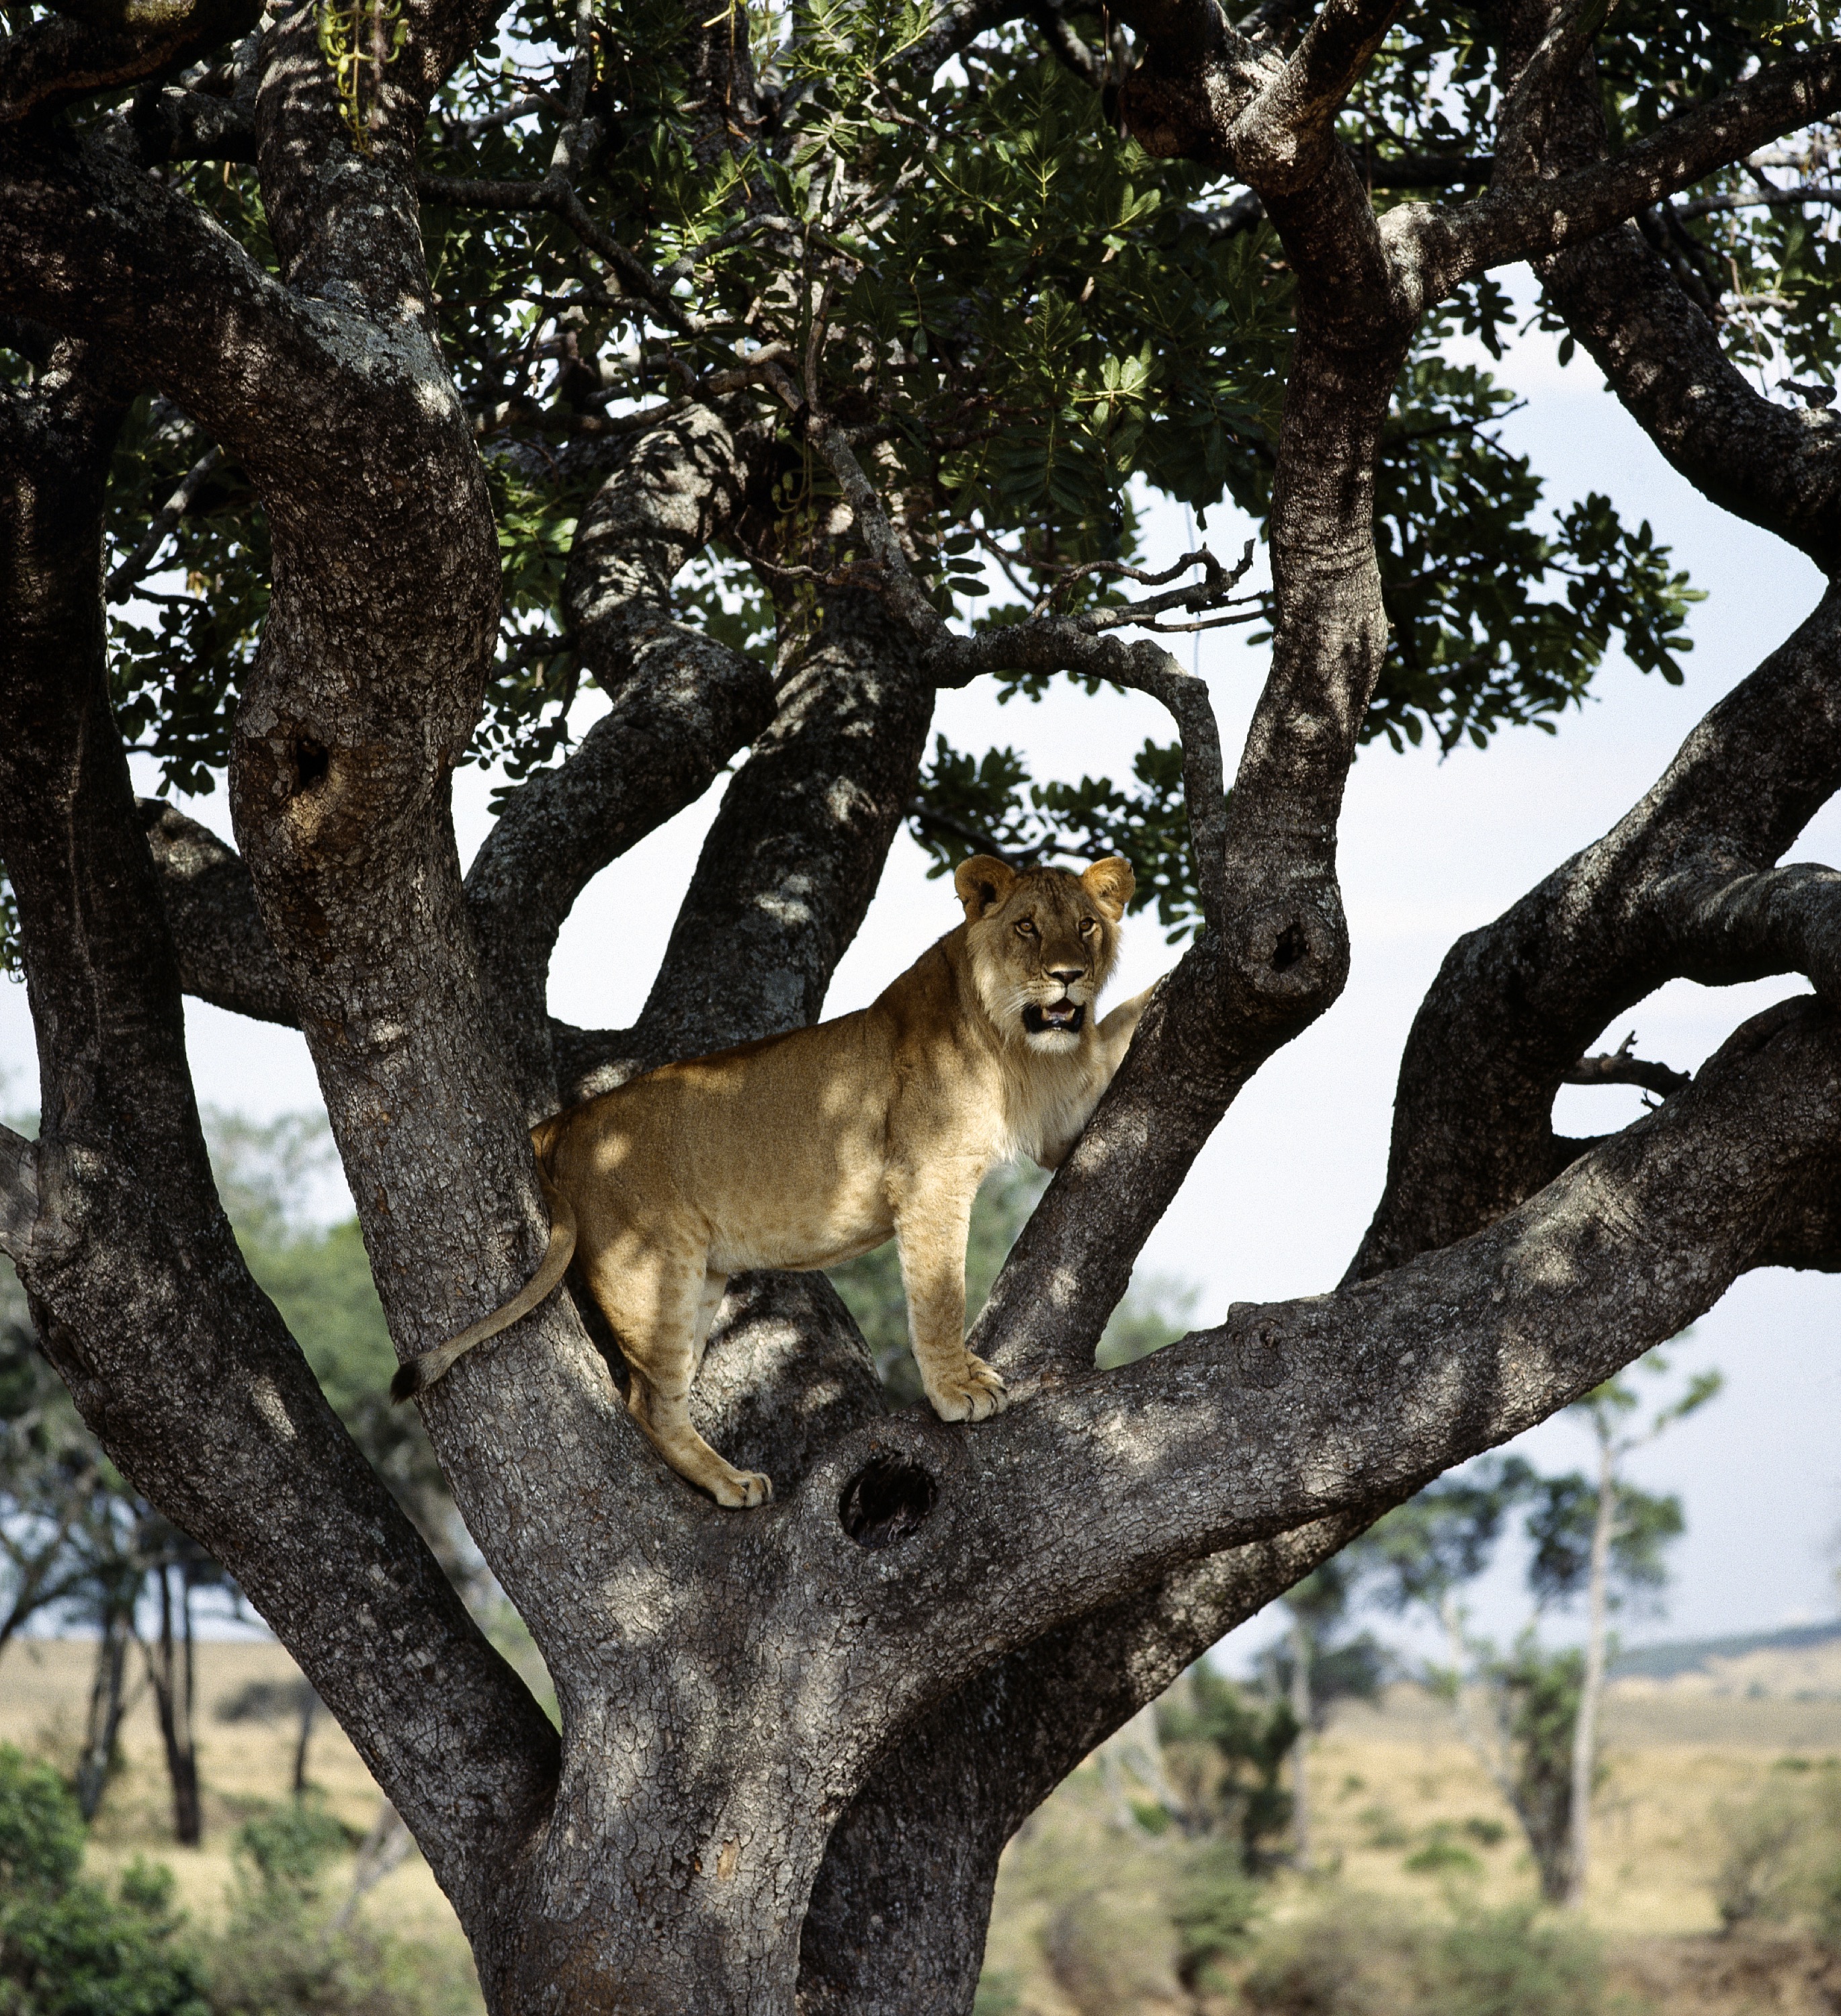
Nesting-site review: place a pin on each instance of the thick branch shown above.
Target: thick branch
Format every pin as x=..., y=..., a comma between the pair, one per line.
x=58, y=60
x=793, y=860
x=1345, y=1403
x=1286, y=129
x=682, y=705
x=1676, y=888
x=223, y=953
x=222, y=1425
x=1779, y=467
x=1529, y=219
x=897, y=1918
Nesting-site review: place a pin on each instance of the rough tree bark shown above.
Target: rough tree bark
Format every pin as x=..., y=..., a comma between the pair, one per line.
x=789, y=1755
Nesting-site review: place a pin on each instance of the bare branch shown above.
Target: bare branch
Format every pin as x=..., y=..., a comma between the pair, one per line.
x=682, y=705
x=1679, y=886
x=1530, y=103
x=1762, y=199
x=555, y=195
x=126, y=572
x=1528, y=220
x=1047, y=643
x=1777, y=467
x=1619, y=1068
x=791, y=863
x=224, y=1426
x=1289, y=121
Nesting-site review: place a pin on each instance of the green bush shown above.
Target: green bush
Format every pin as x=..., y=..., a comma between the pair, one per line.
x=1782, y=1860
x=1513, y=1963
x=284, y=1954
x=286, y=1848
x=1443, y=1854
x=1112, y=1950
x=1361, y=1957
x=41, y=1830
x=1217, y=1905
x=68, y=1948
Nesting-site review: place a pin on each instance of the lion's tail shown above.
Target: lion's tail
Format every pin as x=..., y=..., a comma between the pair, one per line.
x=417, y=1374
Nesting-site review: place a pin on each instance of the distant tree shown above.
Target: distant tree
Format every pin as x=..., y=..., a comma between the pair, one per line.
x=1528, y=1715
x=1225, y=1753
x=1603, y=1536
x=1315, y=1668
x=276, y=1701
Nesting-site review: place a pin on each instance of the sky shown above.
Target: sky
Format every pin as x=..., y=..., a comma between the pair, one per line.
x=1430, y=847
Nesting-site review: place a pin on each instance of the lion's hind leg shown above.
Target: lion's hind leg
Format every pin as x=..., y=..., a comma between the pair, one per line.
x=659, y=1304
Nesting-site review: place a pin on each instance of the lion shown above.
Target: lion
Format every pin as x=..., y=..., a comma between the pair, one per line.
x=804, y=1150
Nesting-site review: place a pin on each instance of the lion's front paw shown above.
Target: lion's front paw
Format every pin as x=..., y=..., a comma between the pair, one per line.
x=741, y=1487
x=972, y=1393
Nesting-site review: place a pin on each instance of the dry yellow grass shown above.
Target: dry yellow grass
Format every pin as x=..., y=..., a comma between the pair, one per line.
x=1382, y=1780
x=244, y=1766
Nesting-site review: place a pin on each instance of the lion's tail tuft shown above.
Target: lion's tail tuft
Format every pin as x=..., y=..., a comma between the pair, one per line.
x=417, y=1374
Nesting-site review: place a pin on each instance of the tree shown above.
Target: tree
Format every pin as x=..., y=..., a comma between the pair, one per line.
x=1606, y=1538
x=1529, y=1715
x=1315, y=1669
x=394, y=364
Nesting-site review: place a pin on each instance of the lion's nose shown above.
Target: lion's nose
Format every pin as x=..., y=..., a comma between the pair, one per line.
x=1067, y=975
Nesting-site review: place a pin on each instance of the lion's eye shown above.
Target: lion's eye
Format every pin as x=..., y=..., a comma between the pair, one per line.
x=1087, y=924
x=1024, y=928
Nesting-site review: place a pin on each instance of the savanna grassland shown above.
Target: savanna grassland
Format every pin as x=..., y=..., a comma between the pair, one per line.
x=1417, y=1857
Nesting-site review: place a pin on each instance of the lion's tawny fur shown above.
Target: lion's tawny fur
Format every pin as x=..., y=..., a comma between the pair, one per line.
x=806, y=1149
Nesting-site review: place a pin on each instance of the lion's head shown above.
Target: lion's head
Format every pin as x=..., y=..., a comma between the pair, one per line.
x=1042, y=944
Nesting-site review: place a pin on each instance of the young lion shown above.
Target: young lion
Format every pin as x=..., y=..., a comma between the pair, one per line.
x=808, y=1148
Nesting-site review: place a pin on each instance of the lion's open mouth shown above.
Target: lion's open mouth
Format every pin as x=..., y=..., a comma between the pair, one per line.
x=1063, y=1018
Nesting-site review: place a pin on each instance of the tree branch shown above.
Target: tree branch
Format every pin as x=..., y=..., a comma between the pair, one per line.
x=58, y=61
x=1529, y=219
x=1677, y=886
x=19, y=1190
x=223, y=1426
x=1285, y=131
x=897, y=1918
x=1344, y=1403
x=126, y=572
x=1620, y=1067
x=223, y=953
x=682, y=705
x=1662, y=356
x=793, y=860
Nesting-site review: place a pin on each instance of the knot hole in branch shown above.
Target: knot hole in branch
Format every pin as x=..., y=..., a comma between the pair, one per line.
x=312, y=763
x=1291, y=952
x=886, y=1500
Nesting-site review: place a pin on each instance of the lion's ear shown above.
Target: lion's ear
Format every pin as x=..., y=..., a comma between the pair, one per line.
x=981, y=882
x=1110, y=882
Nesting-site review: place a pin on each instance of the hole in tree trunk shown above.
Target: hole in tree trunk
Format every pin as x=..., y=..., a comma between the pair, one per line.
x=1289, y=949
x=886, y=1500
x=312, y=763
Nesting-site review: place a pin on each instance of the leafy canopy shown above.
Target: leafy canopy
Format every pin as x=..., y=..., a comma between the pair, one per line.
x=1030, y=328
